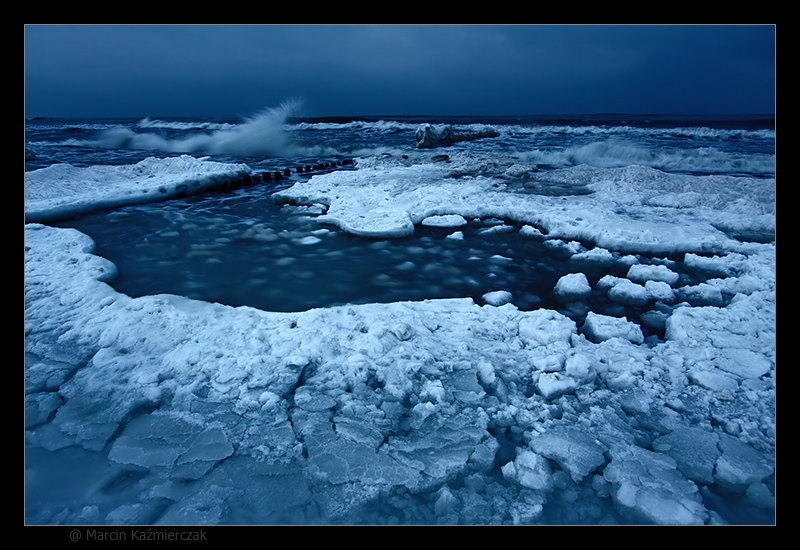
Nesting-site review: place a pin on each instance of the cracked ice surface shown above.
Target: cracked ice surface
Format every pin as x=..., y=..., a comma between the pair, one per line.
x=167, y=410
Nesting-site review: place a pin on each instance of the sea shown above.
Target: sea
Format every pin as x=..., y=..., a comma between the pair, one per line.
x=211, y=261
x=426, y=374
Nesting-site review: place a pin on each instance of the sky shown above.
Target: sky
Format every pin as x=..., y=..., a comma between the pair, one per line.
x=341, y=70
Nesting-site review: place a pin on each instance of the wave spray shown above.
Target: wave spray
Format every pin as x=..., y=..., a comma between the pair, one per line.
x=263, y=135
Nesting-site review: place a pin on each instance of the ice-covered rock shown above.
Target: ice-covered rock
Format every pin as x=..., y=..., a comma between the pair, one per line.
x=429, y=136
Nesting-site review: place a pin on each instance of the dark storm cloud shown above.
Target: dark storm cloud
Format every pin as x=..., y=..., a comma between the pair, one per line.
x=340, y=70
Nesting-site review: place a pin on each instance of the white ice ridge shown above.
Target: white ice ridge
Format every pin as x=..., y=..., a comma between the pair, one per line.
x=636, y=209
x=63, y=190
x=226, y=415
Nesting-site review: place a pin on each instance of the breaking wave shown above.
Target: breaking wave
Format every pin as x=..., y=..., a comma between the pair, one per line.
x=264, y=134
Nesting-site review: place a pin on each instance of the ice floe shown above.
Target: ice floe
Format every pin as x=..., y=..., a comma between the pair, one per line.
x=63, y=190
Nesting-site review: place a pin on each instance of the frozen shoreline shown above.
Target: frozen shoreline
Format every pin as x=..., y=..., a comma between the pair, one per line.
x=335, y=408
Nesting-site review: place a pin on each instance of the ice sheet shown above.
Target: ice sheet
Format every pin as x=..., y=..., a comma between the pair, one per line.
x=216, y=413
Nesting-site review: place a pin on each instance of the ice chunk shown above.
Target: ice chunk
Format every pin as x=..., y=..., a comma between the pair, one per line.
x=721, y=266
x=578, y=366
x=531, y=232
x=433, y=391
x=641, y=273
x=543, y=326
x=607, y=282
x=310, y=400
x=446, y=507
x=572, y=287
x=739, y=465
x=597, y=256
x=603, y=327
x=39, y=407
x=440, y=452
x=760, y=496
x=531, y=470
x=486, y=373
x=628, y=293
x=363, y=431
x=701, y=295
x=713, y=380
x=659, y=291
x=497, y=298
x=447, y=220
x=555, y=384
x=742, y=362
x=210, y=445
x=574, y=449
x=496, y=229
x=648, y=487
x=154, y=440
x=309, y=240
x=694, y=450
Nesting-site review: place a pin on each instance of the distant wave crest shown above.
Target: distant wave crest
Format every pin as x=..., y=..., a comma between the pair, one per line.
x=612, y=154
x=264, y=134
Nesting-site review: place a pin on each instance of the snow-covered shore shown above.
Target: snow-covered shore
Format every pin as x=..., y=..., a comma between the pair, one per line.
x=452, y=411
